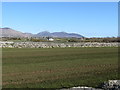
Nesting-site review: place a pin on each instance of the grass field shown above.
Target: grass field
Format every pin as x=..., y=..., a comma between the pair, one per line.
x=58, y=67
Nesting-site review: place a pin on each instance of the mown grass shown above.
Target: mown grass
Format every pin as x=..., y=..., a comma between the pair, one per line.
x=58, y=67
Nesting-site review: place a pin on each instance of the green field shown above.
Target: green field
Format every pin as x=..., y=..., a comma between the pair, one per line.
x=58, y=67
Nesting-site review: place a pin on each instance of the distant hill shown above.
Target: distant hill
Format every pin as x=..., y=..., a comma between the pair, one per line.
x=8, y=32
x=64, y=34
x=57, y=34
x=43, y=34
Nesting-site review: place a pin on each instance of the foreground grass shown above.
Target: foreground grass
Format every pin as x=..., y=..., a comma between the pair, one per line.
x=58, y=67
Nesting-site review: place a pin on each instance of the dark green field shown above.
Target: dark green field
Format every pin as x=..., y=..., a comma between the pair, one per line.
x=58, y=67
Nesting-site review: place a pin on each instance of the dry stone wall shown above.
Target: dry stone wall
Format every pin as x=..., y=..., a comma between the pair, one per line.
x=54, y=45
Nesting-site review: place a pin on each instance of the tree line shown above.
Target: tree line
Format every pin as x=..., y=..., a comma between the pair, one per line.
x=45, y=39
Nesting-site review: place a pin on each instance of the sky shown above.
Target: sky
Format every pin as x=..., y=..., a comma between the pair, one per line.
x=90, y=19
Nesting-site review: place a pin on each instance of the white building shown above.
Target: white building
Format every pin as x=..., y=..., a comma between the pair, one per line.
x=51, y=39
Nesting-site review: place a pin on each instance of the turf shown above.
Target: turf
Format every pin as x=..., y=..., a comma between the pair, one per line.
x=58, y=67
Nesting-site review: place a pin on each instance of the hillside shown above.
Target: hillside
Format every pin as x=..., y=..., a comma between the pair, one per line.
x=8, y=32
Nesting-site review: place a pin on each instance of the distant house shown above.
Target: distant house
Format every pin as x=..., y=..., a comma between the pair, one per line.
x=51, y=39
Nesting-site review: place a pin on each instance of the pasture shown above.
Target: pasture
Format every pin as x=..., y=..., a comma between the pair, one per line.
x=58, y=67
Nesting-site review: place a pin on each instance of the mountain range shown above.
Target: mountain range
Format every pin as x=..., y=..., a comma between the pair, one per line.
x=8, y=32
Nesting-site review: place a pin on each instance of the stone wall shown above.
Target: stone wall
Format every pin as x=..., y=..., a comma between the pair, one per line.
x=54, y=45
x=110, y=85
x=81, y=88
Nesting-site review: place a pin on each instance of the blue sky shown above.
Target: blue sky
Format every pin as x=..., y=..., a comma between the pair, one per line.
x=90, y=19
